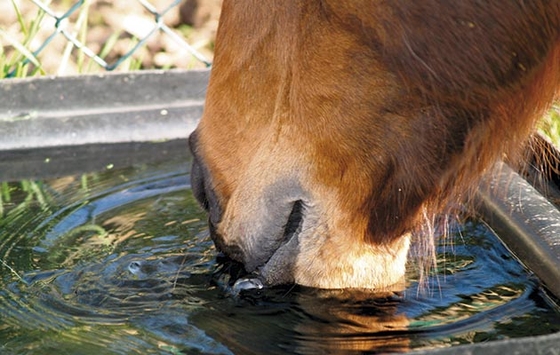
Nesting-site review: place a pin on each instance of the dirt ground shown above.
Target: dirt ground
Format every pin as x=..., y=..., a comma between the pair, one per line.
x=113, y=25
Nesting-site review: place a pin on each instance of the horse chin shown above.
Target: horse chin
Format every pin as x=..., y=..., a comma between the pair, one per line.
x=344, y=266
x=310, y=250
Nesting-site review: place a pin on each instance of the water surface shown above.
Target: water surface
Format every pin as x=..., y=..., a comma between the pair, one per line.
x=118, y=261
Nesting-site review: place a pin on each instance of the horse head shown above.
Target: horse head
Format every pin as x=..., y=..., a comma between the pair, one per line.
x=336, y=131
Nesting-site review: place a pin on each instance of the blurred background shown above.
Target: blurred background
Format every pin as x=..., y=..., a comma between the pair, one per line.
x=64, y=37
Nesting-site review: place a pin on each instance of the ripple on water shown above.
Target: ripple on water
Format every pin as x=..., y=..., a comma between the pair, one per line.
x=120, y=262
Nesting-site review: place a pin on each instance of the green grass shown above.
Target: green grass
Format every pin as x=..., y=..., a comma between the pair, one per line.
x=20, y=61
x=550, y=125
x=13, y=62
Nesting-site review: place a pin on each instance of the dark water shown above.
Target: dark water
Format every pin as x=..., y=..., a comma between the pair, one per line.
x=119, y=262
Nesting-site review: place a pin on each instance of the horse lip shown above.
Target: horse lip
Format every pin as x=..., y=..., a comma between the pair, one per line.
x=235, y=253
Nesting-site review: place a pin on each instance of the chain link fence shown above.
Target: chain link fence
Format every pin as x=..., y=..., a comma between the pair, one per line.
x=71, y=37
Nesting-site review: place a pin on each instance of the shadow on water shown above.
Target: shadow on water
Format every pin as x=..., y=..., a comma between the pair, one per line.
x=119, y=261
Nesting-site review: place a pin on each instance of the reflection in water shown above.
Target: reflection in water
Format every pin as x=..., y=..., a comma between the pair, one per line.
x=353, y=322
x=120, y=262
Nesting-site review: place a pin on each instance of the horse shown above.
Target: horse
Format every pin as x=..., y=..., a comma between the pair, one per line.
x=337, y=132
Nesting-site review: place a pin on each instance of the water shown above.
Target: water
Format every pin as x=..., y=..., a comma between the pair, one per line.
x=118, y=261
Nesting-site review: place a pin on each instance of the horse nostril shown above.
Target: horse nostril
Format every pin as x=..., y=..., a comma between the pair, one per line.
x=197, y=173
x=197, y=184
x=201, y=183
x=295, y=220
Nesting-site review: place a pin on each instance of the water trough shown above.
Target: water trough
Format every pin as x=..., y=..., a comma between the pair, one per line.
x=60, y=126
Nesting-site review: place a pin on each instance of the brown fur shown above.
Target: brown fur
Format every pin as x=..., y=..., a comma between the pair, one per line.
x=384, y=113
